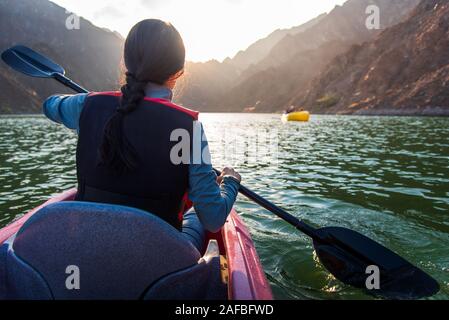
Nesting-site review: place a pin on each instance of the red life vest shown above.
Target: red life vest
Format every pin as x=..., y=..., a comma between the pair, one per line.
x=156, y=185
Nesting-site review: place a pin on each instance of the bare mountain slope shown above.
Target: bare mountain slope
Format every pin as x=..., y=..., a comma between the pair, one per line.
x=297, y=60
x=204, y=82
x=405, y=71
x=90, y=55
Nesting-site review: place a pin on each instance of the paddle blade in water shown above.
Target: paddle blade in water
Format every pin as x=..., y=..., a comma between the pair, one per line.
x=31, y=63
x=348, y=254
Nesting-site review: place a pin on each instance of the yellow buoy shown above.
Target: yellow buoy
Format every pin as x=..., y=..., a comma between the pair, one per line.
x=296, y=116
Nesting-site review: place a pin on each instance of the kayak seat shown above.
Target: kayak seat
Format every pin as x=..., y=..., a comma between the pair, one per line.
x=26, y=281
x=201, y=280
x=80, y=250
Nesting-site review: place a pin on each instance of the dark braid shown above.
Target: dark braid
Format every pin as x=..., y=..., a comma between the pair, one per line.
x=121, y=157
x=154, y=52
x=133, y=92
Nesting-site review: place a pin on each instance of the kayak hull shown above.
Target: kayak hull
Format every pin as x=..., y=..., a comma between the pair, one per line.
x=246, y=281
x=302, y=116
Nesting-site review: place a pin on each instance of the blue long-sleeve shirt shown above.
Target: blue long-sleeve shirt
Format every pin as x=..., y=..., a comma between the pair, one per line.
x=212, y=202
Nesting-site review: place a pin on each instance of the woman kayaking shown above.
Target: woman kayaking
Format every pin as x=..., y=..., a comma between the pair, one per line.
x=126, y=140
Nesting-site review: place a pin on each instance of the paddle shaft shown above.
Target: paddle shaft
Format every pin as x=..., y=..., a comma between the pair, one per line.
x=69, y=83
x=298, y=224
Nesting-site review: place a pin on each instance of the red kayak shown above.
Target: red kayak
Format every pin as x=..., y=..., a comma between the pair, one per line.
x=244, y=277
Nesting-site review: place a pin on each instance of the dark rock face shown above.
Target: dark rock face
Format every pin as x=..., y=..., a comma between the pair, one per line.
x=90, y=55
x=405, y=71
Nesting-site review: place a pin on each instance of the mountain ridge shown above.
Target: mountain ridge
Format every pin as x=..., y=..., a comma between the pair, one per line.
x=268, y=85
x=89, y=50
x=320, y=65
x=203, y=82
x=257, y=51
x=337, y=32
x=403, y=72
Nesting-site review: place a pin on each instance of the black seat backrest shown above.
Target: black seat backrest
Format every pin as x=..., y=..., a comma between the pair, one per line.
x=119, y=253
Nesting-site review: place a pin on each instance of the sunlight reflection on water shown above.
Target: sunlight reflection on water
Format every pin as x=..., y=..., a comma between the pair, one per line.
x=384, y=177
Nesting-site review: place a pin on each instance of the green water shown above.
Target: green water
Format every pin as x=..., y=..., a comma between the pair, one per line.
x=385, y=177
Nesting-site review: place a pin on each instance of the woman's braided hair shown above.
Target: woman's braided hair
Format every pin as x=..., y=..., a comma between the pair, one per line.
x=154, y=52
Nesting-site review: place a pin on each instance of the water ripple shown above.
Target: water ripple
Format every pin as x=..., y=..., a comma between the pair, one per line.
x=384, y=177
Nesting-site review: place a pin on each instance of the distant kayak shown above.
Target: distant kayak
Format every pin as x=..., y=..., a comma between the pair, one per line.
x=296, y=116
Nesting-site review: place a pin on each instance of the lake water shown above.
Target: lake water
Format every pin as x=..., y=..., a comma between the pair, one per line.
x=386, y=177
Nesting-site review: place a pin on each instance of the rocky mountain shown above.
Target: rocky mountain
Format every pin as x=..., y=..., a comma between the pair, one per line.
x=346, y=23
x=261, y=48
x=404, y=71
x=271, y=89
x=297, y=59
x=90, y=55
x=204, y=82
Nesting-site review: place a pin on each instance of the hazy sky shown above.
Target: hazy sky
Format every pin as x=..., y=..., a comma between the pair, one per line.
x=212, y=29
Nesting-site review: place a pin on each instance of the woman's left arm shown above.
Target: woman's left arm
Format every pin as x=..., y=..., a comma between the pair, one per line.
x=65, y=109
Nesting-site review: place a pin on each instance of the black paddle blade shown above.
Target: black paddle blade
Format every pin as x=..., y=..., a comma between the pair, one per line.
x=31, y=63
x=348, y=254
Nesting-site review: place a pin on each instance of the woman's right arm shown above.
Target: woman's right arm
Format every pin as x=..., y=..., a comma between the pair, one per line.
x=212, y=200
x=65, y=109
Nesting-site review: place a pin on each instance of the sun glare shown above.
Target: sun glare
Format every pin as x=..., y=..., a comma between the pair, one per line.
x=211, y=29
